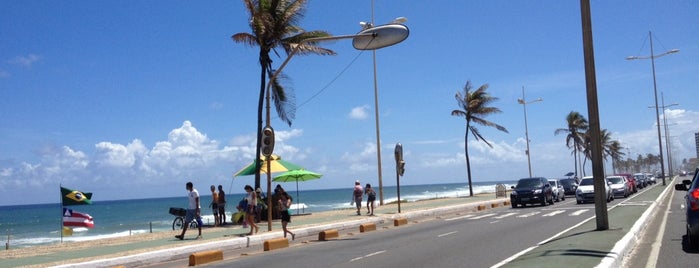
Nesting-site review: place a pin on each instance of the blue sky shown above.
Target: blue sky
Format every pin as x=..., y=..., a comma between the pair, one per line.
x=133, y=99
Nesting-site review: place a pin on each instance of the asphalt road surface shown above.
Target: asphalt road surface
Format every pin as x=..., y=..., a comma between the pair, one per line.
x=664, y=243
x=477, y=239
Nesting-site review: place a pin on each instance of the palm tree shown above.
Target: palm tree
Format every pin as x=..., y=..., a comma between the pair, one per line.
x=274, y=24
x=615, y=152
x=577, y=125
x=474, y=105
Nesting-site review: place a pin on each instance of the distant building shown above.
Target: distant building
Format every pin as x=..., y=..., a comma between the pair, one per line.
x=696, y=141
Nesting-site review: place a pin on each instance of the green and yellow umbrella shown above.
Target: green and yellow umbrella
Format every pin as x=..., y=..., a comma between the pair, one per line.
x=276, y=165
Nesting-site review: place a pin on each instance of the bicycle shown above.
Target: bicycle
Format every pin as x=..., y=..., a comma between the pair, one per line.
x=180, y=214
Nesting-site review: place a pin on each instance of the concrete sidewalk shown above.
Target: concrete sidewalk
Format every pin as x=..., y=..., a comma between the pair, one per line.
x=580, y=245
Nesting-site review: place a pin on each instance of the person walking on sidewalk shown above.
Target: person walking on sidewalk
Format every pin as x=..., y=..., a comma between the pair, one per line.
x=371, y=197
x=284, y=205
x=357, y=194
x=193, y=211
x=251, y=199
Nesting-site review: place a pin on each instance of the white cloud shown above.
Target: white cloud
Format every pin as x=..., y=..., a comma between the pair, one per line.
x=359, y=113
x=25, y=61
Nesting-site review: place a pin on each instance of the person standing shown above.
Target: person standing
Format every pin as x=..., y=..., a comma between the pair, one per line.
x=221, y=205
x=371, y=197
x=214, y=205
x=251, y=199
x=193, y=211
x=284, y=205
x=357, y=194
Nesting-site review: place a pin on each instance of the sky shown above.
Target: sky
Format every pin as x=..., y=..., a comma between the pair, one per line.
x=131, y=100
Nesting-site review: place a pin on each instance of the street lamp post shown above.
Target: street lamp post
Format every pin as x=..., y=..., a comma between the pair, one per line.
x=369, y=38
x=655, y=91
x=667, y=134
x=526, y=128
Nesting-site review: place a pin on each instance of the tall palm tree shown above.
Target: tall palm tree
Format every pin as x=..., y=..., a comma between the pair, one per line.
x=274, y=24
x=615, y=152
x=610, y=148
x=577, y=125
x=474, y=105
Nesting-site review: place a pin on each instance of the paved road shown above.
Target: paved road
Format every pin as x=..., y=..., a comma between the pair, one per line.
x=664, y=244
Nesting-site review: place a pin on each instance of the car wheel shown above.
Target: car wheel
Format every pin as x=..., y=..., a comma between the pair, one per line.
x=544, y=201
x=514, y=205
x=579, y=202
x=691, y=240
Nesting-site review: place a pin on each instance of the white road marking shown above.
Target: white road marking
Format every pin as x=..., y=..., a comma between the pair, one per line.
x=529, y=214
x=579, y=212
x=505, y=215
x=483, y=216
x=655, y=247
x=554, y=213
x=449, y=233
x=460, y=217
x=368, y=255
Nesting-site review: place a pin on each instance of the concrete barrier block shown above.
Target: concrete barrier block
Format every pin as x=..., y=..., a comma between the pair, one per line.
x=494, y=205
x=328, y=234
x=275, y=243
x=481, y=207
x=506, y=203
x=367, y=227
x=203, y=257
x=400, y=221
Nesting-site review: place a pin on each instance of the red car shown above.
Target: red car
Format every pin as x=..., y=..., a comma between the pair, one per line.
x=631, y=180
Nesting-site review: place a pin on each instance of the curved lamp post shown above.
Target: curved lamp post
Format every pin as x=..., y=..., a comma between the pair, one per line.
x=526, y=128
x=369, y=38
x=655, y=91
x=360, y=43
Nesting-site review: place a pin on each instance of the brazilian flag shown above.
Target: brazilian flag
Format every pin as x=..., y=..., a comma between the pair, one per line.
x=74, y=197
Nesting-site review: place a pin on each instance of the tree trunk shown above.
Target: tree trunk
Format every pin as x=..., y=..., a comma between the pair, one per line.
x=260, y=103
x=468, y=162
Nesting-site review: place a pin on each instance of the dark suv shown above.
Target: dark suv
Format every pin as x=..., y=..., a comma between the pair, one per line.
x=531, y=191
x=691, y=207
x=569, y=186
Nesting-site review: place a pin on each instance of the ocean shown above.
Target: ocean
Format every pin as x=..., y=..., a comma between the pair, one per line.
x=32, y=225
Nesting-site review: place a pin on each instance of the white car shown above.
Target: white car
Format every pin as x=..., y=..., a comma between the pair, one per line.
x=558, y=191
x=619, y=185
x=586, y=190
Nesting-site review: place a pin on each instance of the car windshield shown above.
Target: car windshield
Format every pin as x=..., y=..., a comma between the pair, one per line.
x=567, y=182
x=615, y=180
x=586, y=182
x=529, y=183
x=553, y=183
x=639, y=177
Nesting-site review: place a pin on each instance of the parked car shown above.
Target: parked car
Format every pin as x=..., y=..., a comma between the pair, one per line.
x=531, y=191
x=651, y=179
x=558, y=192
x=631, y=180
x=691, y=207
x=619, y=186
x=569, y=186
x=641, y=180
x=586, y=190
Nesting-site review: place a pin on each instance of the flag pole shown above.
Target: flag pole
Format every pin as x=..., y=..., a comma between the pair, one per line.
x=60, y=230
